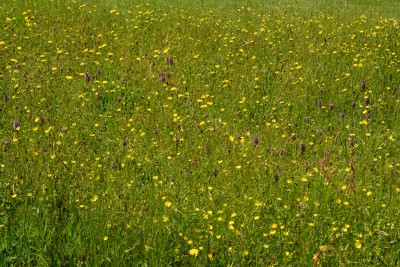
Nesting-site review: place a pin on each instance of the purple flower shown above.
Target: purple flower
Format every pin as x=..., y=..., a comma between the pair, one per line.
x=16, y=125
x=302, y=147
x=363, y=85
x=124, y=142
x=282, y=151
x=162, y=77
x=331, y=106
x=353, y=104
x=293, y=137
x=215, y=172
x=366, y=100
x=342, y=115
x=5, y=98
x=367, y=116
x=255, y=141
x=320, y=103
x=87, y=77
x=319, y=133
x=239, y=135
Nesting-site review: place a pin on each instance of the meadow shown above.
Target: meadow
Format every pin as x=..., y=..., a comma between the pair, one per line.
x=217, y=133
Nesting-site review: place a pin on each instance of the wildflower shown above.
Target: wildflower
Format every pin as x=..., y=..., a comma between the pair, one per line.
x=215, y=172
x=5, y=98
x=357, y=244
x=194, y=252
x=331, y=106
x=366, y=100
x=87, y=77
x=162, y=77
x=124, y=142
x=320, y=103
x=255, y=141
x=342, y=115
x=353, y=104
x=105, y=238
x=302, y=147
x=363, y=85
x=319, y=133
x=276, y=176
x=16, y=125
x=367, y=116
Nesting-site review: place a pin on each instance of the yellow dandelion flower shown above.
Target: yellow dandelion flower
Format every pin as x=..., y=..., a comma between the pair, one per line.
x=68, y=77
x=167, y=204
x=194, y=252
x=357, y=244
x=105, y=238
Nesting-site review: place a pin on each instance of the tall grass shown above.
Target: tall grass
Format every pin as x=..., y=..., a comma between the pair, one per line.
x=223, y=133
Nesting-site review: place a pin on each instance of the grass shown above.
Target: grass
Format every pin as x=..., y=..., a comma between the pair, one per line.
x=224, y=133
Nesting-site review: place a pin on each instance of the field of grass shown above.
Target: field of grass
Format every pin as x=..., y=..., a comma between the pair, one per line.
x=221, y=133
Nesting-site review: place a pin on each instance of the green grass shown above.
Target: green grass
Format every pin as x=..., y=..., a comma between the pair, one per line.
x=222, y=133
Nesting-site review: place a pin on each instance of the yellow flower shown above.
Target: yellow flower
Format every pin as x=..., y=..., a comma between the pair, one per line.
x=105, y=238
x=194, y=252
x=167, y=204
x=94, y=198
x=357, y=244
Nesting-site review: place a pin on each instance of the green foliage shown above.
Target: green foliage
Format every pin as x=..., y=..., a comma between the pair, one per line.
x=259, y=133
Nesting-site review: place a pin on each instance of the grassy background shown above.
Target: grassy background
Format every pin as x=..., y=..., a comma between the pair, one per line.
x=215, y=134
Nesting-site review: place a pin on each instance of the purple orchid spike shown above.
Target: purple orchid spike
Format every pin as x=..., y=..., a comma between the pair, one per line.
x=255, y=141
x=16, y=125
x=363, y=85
x=302, y=147
x=87, y=77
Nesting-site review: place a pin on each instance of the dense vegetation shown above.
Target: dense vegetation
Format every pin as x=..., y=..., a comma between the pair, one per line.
x=221, y=133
